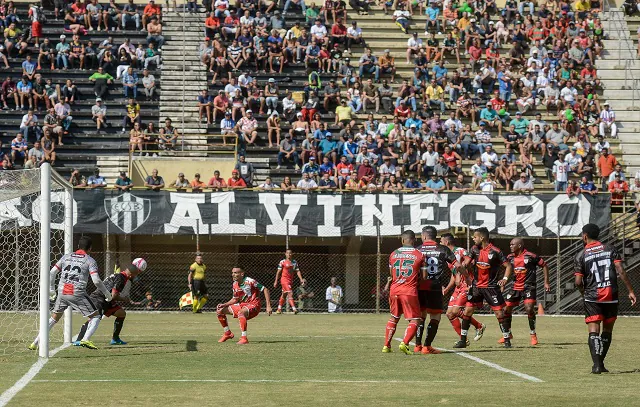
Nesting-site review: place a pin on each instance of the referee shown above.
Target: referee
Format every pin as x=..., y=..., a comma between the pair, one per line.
x=197, y=284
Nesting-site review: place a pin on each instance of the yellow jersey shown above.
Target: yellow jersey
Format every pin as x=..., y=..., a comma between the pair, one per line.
x=198, y=270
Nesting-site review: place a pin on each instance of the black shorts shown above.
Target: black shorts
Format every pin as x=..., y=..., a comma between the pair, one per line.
x=600, y=311
x=106, y=308
x=515, y=297
x=199, y=288
x=430, y=301
x=493, y=297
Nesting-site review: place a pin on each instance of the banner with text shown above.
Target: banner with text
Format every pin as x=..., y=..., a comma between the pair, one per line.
x=315, y=214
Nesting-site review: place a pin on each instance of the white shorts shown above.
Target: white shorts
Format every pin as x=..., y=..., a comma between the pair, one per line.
x=81, y=303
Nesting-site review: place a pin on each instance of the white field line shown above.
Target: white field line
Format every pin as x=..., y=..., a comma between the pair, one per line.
x=490, y=364
x=334, y=381
x=11, y=392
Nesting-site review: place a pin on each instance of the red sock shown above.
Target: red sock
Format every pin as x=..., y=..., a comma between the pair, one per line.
x=455, y=323
x=410, y=332
x=476, y=323
x=292, y=303
x=223, y=320
x=281, y=302
x=243, y=324
x=389, y=331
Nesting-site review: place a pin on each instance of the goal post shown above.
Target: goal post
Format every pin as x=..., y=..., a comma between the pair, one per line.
x=36, y=228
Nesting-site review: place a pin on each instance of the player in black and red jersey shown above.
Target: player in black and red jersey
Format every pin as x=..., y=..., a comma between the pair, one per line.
x=437, y=259
x=525, y=265
x=405, y=265
x=486, y=286
x=599, y=287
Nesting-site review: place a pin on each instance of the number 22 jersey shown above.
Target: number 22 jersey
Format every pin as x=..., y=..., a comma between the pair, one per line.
x=405, y=264
x=596, y=263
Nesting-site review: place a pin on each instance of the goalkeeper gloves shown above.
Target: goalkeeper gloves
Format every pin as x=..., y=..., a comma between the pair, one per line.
x=108, y=297
x=52, y=294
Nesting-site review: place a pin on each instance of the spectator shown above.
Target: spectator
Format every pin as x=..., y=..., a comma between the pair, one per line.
x=205, y=106
x=24, y=89
x=154, y=181
x=369, y=64
x=99, y=115
x=96, y=180
x=152, y=56
x=354, y=33
x=618, y=188
x=37, y=152
x=287, y=185
x=573, y=189
x=136, y=137
x=267, y=185
x=617, y=171
x=606, y=165
x=168, y=136
x=561, y=173
x=344, y=114
x=76, y=179
x=216, y=181
x=101, y=80
x=461, y=186
x=288, y=152
x=305, y=296
x=154, y=30
x=123, y=183
x=246, y=170
x=46, y=54
x=557, y=138
x=326, y=183
x=414, y=45
x=49, y=147
x=435, y=184
x=29, y=125
x=132, y=116
x=588, y=187
x=489, y=158
x=130, y=13
x=401, y=17
x=412, y=183
x=334, y=296
x=488, y=185
x=181, y=183
x=62, y=53
x=608, y=121
x=52, y=124
x=247, y=127
x=307, y=183
x=130, y=83
x=273, y=127
x=523, y=184
x=30, y=164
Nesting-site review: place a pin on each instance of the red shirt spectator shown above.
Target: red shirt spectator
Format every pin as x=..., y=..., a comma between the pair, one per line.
x=606, y=163
x=618, y=189
x=402, y=111
x=235, y=181
x=344, y=169
x=366, y=173
x=216, y=181
x=151, y=9
x=338, y=29
x=588, y=72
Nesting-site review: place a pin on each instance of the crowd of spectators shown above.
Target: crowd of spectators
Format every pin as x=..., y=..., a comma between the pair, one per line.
x=520, y=61
x=112, y=68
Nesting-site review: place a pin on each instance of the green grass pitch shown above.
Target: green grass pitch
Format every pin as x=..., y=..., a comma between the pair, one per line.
x=325, y=360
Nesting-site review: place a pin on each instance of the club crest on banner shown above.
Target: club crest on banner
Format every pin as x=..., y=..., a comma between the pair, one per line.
x=127, y=211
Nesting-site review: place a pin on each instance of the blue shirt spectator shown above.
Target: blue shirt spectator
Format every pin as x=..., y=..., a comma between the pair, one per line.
x=327, y=167
x=320, y=134
x=432, y=12
x=439, y=71
x=412, y=183
x=435, y=185
x=415, y=121
x=327, y=145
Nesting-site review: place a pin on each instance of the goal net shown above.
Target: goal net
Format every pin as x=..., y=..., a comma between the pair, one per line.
x=26, y=243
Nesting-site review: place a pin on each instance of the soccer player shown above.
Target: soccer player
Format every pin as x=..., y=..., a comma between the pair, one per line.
x=197, y=284
x=436, y=261
x=244, y=305
x=115, y=283
x=76, y=268
x=600, y=291
x=525, y=265
x=458, y=299
x=287, y=266
x=405, y=265
x=487, y=260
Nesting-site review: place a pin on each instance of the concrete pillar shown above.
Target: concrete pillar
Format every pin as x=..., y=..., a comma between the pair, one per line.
x=352, y=272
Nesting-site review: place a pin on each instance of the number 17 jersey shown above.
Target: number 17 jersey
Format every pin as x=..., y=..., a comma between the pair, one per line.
x=596, y=263
x=405, y=264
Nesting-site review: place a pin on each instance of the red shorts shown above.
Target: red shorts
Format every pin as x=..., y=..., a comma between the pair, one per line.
x=112, y=310
x=254, y=309
x=459, y=296
x=36, y=29
x=287, y=286
x=407, y=305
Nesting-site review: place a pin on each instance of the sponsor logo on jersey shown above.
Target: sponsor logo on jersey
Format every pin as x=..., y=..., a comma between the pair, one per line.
x=127, y=211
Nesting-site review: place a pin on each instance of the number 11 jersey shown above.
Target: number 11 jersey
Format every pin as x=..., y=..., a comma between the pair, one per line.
x=405, y=264
x=596, y=263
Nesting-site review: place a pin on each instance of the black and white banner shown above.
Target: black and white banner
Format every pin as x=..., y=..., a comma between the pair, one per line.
x=325, y=215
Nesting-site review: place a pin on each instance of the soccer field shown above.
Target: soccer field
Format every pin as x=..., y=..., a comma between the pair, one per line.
x=174, y=360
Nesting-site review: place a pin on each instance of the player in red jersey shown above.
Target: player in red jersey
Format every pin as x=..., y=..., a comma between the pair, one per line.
x=287, y=267
x=600, y=291
x=405, y=265
x=485, y=285
x=459, y=279
x=525, y=265
x=244, y=305
x=430, y=292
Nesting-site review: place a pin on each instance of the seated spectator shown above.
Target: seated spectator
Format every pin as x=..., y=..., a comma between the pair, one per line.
x=96, y=180
x=412, y=183
x=326, y=183
x=37, y=152
x=76, y=179
x=152, y=56
x=307, y=183
x=154, y=181
x=101, y=80
x=608, y=121
x=136, y=138
x=29, y=125
x=132, y=116
x=99, y=115
x=267, y=185
x=30, y=164
x=168, y=136
x=618, y=189
x=19, y=149
x=524, y=184
x=479, y=172
x=49, y=147
x=130, y=13
x=123, y=183
x=130, y=83
x=180, y=183
x=154, y=33
x=488, y=185
x=435, y=184
x=46, y=55
x=235, y=182
x=287, y=185
x=460, y=185
x=150, y=136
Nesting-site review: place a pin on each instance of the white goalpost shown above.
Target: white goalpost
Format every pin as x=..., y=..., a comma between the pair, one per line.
x=36, y=228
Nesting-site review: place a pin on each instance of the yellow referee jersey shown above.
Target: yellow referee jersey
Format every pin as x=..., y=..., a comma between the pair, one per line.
x=198, y=270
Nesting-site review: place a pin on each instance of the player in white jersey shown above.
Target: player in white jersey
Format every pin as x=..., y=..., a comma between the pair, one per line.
x=76, y=268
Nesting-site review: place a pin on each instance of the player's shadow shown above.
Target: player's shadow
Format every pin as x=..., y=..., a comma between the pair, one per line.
x=467, y=350
x=626, y=372
x=566, y=343
x=192, y=346
x=279, y=341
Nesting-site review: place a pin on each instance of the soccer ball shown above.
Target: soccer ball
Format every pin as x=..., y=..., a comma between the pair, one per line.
x=140, y=263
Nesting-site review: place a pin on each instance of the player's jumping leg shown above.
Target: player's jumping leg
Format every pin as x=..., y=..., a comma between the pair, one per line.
x=605, y=336
x=120, y=315
x=529, y=307
x=390, y=330
x=52, y=321
x=222, y=317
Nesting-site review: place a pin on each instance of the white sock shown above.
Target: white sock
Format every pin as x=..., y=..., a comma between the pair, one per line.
x=244, y=333
x=52, y=322
x=91, y=329
x=226, y=329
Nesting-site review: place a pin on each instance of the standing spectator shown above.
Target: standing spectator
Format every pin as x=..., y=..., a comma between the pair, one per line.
x=561, y=173
x=99, y=115
x=154, y=181
x=304, y=294
x=618, y=188
x=334, y=296
x=76, y=179
x=608, y=121
x=606, y=164
x=216, y=182
x=96, y=180
x=123, y=183
x=436, y=184
x=246, y=170
x=181, y=183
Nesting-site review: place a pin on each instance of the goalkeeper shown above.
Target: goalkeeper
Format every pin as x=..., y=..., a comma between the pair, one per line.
x=76, y=268
x=115, y=283
x=197, y=285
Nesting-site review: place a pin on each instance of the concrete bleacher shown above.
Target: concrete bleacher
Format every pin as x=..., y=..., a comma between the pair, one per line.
x=83, y=148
